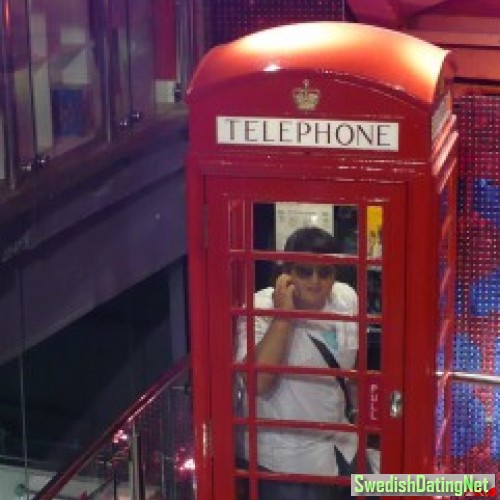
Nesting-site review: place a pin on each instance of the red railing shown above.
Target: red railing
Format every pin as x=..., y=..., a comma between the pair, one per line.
x=55, y=486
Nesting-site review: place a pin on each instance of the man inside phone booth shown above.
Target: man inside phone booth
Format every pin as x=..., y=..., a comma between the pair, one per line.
x=319, y=343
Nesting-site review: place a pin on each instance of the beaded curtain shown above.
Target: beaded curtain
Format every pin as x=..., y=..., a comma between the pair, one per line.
x=475, y=430
x=475, y=444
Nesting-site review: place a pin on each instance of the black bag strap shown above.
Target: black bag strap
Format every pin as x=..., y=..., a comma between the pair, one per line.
x=333, y=363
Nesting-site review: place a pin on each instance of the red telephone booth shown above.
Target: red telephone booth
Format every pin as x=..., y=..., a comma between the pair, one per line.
x=349, y=129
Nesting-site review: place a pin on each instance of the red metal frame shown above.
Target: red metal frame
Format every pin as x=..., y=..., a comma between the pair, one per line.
x=235, y=81
x=391, y=197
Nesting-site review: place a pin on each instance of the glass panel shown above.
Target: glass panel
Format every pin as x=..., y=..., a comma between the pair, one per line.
x=346, y=228
x=307, y=451
x=300, y=338
x=275, y=222
x=120, y=63
x=373, y=453
x=241, y=447
x=374, y=347
x=11, y=410
x=374, y=290
x=374, y=224
x=21, y=80
x=306, y=398
x=66, y=80
x=293, y=489
x=142, y=57
x=242, y=489
x=316, y=285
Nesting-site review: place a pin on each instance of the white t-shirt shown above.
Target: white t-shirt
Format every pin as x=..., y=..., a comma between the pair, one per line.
x=300, y=397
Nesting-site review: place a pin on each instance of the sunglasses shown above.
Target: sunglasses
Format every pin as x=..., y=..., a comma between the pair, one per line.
x=305, y=272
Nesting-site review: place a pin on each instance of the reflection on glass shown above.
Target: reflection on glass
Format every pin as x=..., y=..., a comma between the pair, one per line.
x=240, y=400
x=374, y=225
x=21, y=80
x=66, y=82
x=374, y=290
x=120, y=64
x=374, y=347
x=142, y=56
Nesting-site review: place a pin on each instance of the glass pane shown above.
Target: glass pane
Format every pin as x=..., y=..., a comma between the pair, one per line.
x=316, y=285
x=307, y=451
x=346, y=228
x=374, y=290
x=242, y=489
x=241, y=447
x=142, y=57
x=374, y=224
x=21, y=80
x=275, y=222
x=66, y=79
x=306, y=398
x=293, y=489
x=373, y=453
x=374, y=347
x=300, y=339
x=120, y=63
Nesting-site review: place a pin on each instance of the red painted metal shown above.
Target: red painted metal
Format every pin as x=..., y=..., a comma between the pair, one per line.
x=360, y=74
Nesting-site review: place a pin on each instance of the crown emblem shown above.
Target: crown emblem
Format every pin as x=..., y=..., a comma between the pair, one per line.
x=306, y=98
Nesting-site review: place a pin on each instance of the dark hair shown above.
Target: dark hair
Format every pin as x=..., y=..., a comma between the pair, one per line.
x=309, y=239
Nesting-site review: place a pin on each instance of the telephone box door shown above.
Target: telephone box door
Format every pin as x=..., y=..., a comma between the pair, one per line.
x=253, y=443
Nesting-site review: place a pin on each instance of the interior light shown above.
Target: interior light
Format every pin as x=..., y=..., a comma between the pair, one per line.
x=272, y=67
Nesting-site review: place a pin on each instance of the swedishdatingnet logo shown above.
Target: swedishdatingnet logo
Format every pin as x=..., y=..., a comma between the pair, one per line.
x=423, y=484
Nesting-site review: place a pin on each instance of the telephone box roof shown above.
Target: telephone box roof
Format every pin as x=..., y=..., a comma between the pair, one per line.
x=395, y=60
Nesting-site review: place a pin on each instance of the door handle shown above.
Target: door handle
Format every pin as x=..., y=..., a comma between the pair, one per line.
x=396, y=405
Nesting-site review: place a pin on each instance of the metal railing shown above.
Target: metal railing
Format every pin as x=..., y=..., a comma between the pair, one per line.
x=144, y=455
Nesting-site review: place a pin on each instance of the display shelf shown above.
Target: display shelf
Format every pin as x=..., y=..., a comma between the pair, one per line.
x=61, y=58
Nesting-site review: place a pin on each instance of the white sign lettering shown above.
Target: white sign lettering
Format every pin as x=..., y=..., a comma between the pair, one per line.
x=334, y=134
